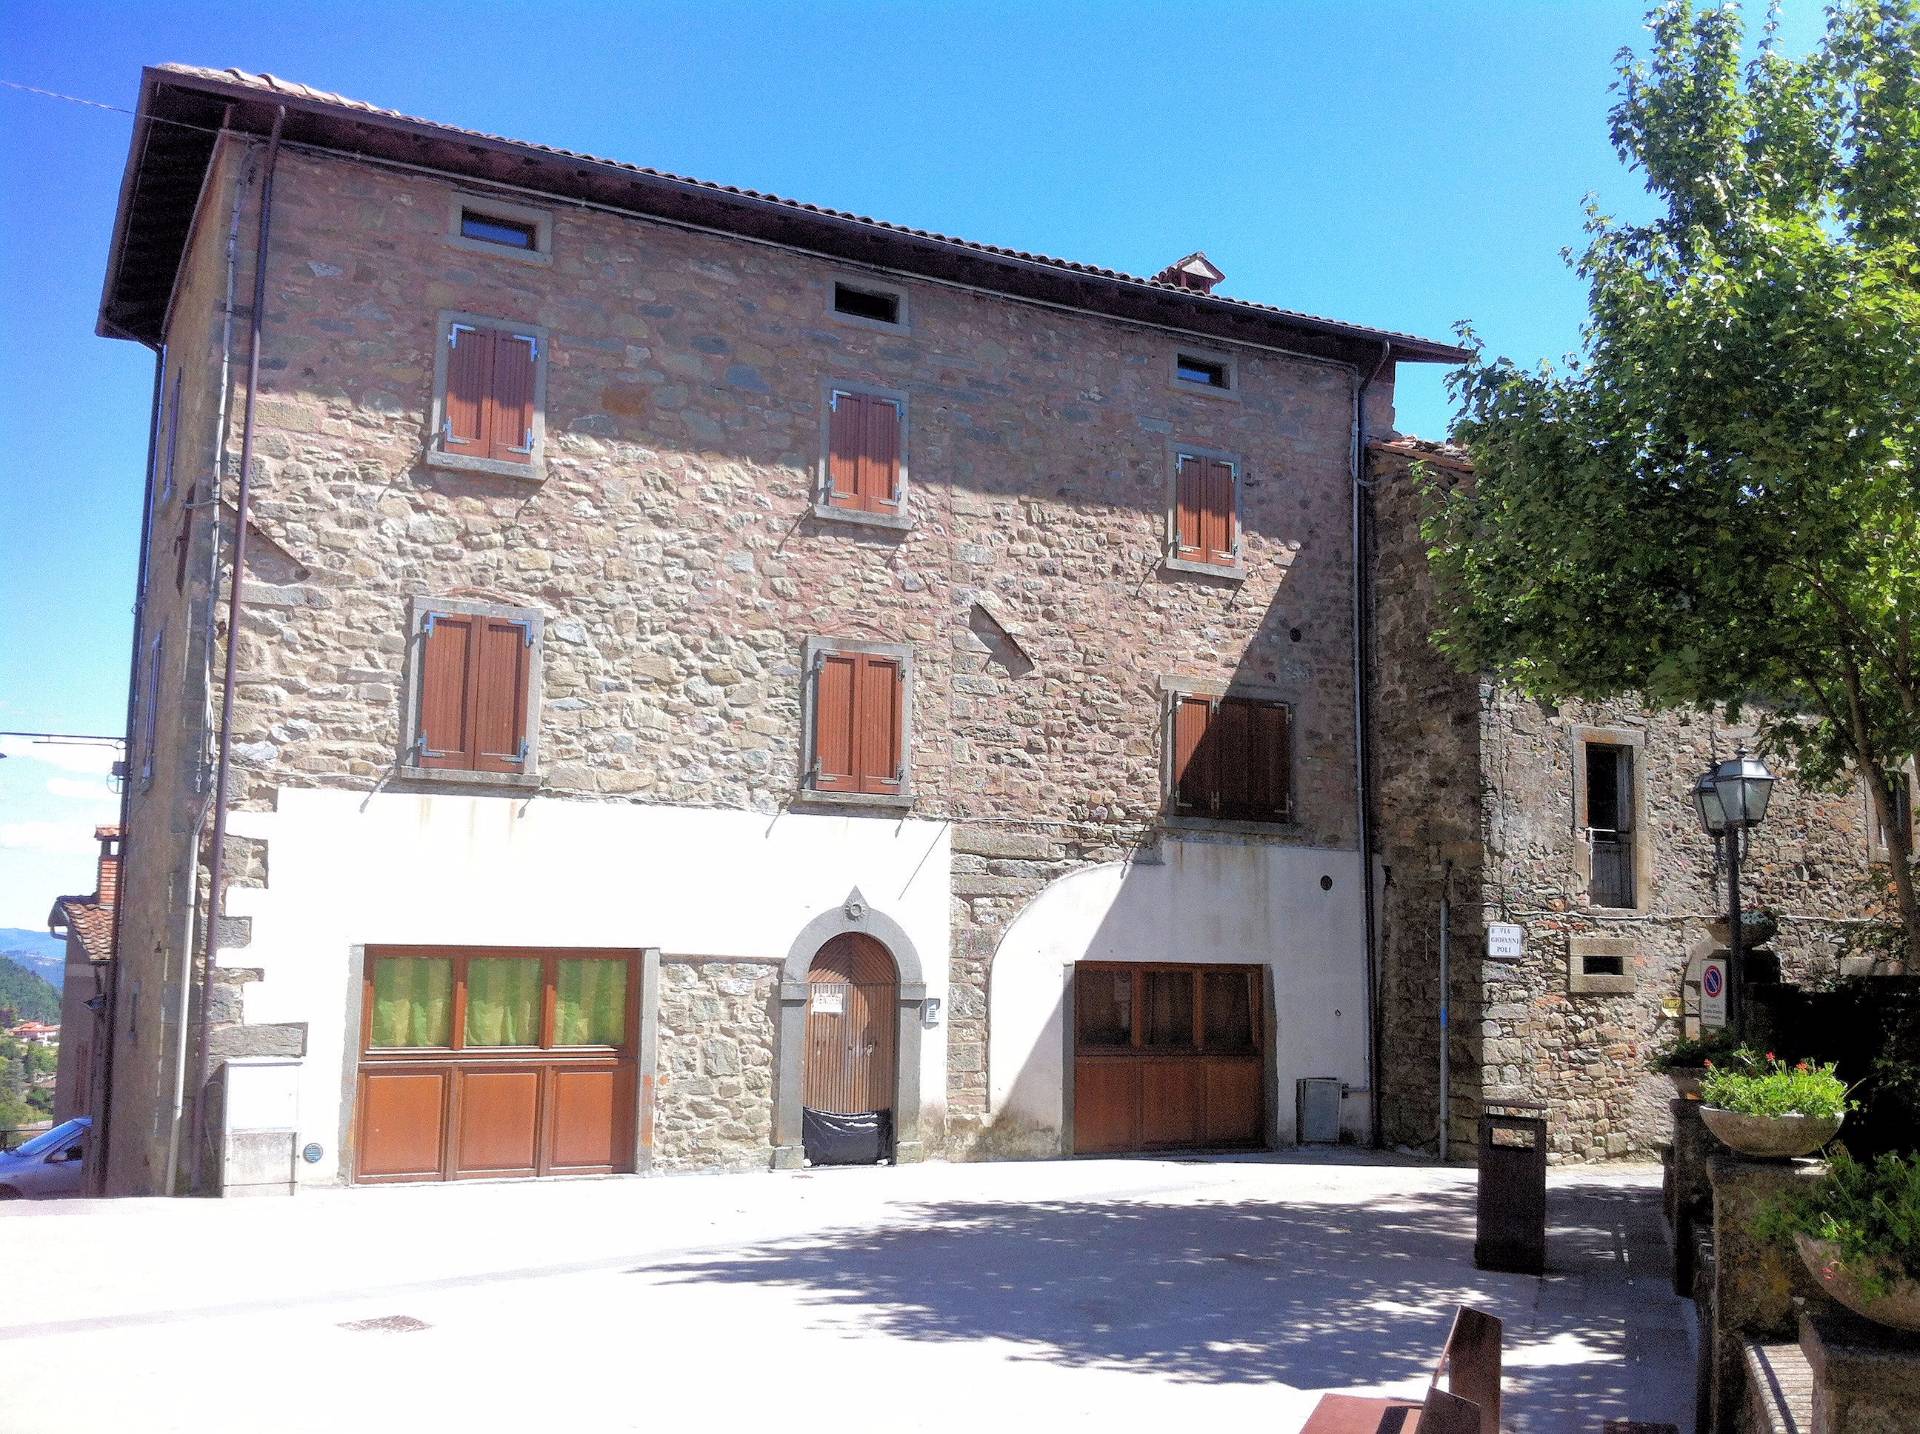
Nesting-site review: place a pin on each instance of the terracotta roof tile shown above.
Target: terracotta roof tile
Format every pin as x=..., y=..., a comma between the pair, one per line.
x=90, y=920
x=273, y=86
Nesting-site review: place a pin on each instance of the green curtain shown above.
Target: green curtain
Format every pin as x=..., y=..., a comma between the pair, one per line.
x=503, y=1001
x=590, y=1003
x=412, y=1001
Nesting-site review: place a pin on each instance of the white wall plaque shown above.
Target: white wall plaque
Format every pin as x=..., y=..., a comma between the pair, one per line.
x=829, y=1003
x=1506, y=941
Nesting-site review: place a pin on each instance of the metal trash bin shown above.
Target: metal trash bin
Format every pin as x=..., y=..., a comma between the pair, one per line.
x=1510, y=1228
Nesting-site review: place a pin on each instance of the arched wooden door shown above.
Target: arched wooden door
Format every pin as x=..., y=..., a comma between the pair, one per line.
x=853, y=1013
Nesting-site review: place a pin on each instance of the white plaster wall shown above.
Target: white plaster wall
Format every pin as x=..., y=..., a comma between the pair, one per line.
x=492, y=871
x=1226, y=902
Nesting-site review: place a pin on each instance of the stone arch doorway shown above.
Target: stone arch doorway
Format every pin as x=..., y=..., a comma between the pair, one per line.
x=850, y=1063
x=820, y=938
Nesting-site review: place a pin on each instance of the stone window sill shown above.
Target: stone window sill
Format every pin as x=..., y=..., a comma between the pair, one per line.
x=894, y=522
x=533, y=472
x=460, y=777
x=500, y=251
x=899, y=803
x=1227, y=827
x=1233, y=573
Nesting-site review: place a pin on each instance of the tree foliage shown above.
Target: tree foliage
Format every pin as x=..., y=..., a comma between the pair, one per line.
x=1716, y=500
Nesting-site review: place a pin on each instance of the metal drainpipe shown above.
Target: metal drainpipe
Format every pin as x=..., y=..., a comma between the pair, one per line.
x=103, y=1119
x=217, y=862
x=1362, y=744
x=218, y=487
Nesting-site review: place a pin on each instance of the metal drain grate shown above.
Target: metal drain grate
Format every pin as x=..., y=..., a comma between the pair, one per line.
x=392, y=1324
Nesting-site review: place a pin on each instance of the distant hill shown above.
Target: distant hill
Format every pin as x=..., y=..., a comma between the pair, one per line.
x=27, y=994
x=44, y=955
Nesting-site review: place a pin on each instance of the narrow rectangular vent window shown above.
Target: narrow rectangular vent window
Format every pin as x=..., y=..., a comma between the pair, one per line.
x=1205, y=372
x=488, y=229
x=866, y=304
x=1603, y=965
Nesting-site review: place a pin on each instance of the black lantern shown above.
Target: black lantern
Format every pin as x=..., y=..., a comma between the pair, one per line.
x=1744, y=784
x=1706, y=805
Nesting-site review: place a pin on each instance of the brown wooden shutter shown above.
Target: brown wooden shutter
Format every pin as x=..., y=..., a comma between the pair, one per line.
x=834, y=741
x=499, y=695
x=879, y=709
x=444, y=738
x=467, y=426
x=1231, y=737
x=184, y=542
x=1217, y=514
x=880, y=457
x=511, y=420
x=1193, y=755
x=863, y=453
x=1271, y=762
x=845, y=441
x=1189, y=499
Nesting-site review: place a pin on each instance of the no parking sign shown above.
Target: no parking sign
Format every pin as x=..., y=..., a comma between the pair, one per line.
x=1713, y=992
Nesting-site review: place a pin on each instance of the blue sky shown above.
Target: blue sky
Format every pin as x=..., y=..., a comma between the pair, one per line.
x=1398, y=164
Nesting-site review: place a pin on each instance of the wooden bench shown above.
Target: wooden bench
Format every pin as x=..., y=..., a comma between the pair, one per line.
x=1470, y=1404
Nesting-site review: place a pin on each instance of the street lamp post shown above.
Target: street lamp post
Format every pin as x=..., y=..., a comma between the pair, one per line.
x=1731, y=800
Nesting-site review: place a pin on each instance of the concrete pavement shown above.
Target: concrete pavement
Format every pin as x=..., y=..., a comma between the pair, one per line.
x=1122, y=1294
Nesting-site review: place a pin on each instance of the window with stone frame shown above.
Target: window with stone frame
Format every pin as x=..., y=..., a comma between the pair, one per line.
x=1203, y=521
x=1607, y=822
x=474, y=691
x=490, y=381
x=858, y=706
x=1232, y=758
x=863, y=465
x=1900, y=782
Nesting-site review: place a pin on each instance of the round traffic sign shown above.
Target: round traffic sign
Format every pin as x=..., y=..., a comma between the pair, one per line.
x=1711, y=980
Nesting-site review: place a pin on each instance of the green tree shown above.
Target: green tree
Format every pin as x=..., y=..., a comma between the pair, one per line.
x=1715, y=501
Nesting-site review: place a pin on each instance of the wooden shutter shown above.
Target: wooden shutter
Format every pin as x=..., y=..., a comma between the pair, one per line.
x=859, y=724
x=835, y=680
x=1193, y=755
x=1270, y=762
x=878, y=711
x=1189, y=494
x=499, y=695
x=473, y=693
x=1231, y=737
x=445, y=738
x=511, y=419
x=863, y=453
x=465, y=427
x=1217, y=513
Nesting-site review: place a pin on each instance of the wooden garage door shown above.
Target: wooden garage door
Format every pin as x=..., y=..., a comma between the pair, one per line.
x=482, y=1063
x=1167, y=1057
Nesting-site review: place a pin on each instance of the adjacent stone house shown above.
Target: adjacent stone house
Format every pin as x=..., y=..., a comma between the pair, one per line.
x=717, y=681
x=1577, y=825
x=87, y=924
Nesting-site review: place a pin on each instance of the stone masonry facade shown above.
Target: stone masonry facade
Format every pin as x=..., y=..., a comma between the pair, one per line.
x=673, y=550
x=1476, y=788
x=714, y=1087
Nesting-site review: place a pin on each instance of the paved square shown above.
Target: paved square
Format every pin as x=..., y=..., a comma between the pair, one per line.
x=1135, y=1294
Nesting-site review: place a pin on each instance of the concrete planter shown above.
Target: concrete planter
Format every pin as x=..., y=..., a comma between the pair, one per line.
x=1899, y=1308
x=1770, y=1137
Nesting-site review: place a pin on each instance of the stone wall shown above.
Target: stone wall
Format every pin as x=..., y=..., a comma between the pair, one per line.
x=1475, y=774
x=714, y=1076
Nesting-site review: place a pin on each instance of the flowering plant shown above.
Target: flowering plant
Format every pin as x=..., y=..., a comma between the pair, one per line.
x=1749, y=1085
x=1869, y=1213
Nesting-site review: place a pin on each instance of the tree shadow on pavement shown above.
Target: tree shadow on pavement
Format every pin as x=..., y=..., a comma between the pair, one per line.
x=1312, y=1296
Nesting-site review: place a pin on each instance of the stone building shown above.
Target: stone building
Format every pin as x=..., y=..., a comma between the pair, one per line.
x=716, y=679
x=1578, y=826
x=87, y=924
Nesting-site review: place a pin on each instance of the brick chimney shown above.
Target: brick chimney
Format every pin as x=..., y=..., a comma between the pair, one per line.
x=107, y=884
x=1196, y=272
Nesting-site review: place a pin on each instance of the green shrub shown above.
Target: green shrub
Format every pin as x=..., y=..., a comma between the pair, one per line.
x=1691, y=1051
x=1751, y=1086
x=1870, y=1212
